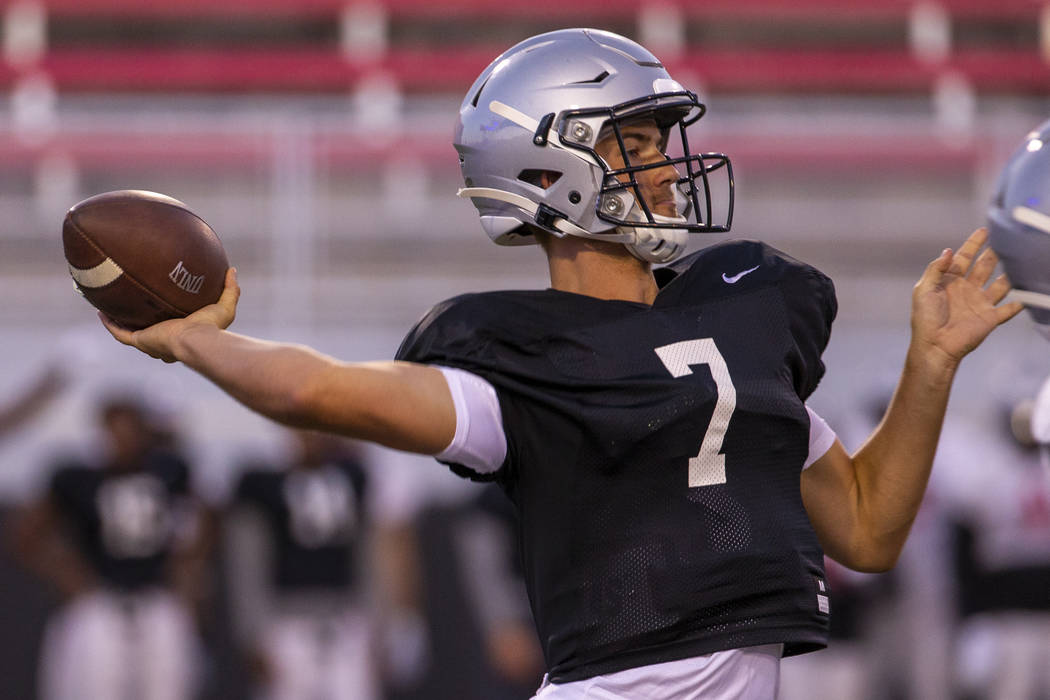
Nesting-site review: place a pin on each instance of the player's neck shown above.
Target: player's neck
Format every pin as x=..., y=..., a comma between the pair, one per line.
x=599, y=269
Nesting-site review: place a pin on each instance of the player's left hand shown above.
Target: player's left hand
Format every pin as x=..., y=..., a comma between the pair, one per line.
x=953, y=306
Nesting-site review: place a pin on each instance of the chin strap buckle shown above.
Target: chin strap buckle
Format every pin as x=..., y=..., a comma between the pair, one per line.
x=545, y=217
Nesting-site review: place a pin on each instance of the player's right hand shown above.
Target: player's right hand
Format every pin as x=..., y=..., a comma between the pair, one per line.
x=160, y=339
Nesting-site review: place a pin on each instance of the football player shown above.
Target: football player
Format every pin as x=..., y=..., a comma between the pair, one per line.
x=675, y=495
x=126, y=543
x=1019, y=231
x=997, y=504
x=1019, y=224
x=295, y=537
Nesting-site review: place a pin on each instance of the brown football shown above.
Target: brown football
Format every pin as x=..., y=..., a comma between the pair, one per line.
x=142, y=257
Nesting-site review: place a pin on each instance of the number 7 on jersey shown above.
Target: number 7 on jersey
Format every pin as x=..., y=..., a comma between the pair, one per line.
x=709, y=466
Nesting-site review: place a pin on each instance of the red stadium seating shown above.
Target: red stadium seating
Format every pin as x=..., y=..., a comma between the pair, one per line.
x=421, y=69
x=536, y=8
x=431, y=64
x=423, y=61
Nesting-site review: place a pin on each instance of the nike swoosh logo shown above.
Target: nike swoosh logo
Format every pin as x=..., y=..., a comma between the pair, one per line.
x=736, y=278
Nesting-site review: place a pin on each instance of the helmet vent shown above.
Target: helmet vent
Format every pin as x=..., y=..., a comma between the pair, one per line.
x=593, y=81
x=477, y=95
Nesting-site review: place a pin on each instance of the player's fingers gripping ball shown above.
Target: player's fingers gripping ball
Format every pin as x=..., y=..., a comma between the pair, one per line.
x=142, y=257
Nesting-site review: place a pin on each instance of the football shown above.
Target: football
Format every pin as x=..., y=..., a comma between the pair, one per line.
x=142, y=257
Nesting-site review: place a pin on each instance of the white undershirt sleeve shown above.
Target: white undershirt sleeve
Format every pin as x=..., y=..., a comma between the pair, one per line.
x=479, y=443
x=821, y=438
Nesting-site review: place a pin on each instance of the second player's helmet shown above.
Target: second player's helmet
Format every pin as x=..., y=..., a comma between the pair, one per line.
x=542, y=106
x=1019, y=224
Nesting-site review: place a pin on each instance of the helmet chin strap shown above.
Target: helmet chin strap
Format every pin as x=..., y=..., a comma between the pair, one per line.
x=561, y=226
x=656, y=245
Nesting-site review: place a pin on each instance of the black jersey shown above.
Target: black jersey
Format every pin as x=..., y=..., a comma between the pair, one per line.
x=123, y=522
x=654, y=455
x=315, y=518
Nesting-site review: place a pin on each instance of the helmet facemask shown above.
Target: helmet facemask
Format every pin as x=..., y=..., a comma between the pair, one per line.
x=621, y=202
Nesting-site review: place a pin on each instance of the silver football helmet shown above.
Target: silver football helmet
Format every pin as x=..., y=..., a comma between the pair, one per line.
x=542, y=107
x=1019, y=224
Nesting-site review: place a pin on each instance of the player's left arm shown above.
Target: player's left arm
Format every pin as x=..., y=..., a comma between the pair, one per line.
x=862, y=506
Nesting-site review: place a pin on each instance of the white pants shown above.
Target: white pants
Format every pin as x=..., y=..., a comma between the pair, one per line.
x=751, y=673
x=1006, y=656
x=114, y=646
x=838, y=672
x=329, y=657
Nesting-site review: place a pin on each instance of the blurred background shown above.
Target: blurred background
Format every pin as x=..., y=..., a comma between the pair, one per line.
x=315, y=137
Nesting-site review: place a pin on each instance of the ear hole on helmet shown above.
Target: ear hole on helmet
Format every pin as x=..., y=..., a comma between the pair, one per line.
x=539, y=178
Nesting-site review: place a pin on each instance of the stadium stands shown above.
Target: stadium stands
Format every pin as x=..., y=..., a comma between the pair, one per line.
x=325, y=45
x=327, y=106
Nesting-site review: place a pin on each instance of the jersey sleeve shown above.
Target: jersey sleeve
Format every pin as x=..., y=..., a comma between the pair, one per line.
x=738, y=267
x=471, y=333
x=810, y=297
x=447, y=335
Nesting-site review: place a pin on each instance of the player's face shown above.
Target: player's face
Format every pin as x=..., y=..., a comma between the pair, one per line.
x=644, y=145
x=128, y=437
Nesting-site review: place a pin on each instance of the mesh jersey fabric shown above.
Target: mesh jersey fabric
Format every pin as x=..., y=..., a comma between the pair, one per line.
x=626, y=562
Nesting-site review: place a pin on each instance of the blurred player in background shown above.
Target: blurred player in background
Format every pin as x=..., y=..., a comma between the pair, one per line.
x=1019, y=231
x=491, y=571
x=999, y=502
x=1019, y=224
x=297, y=539
x=125, y=542
x=1002, y=510
x=675, y=495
